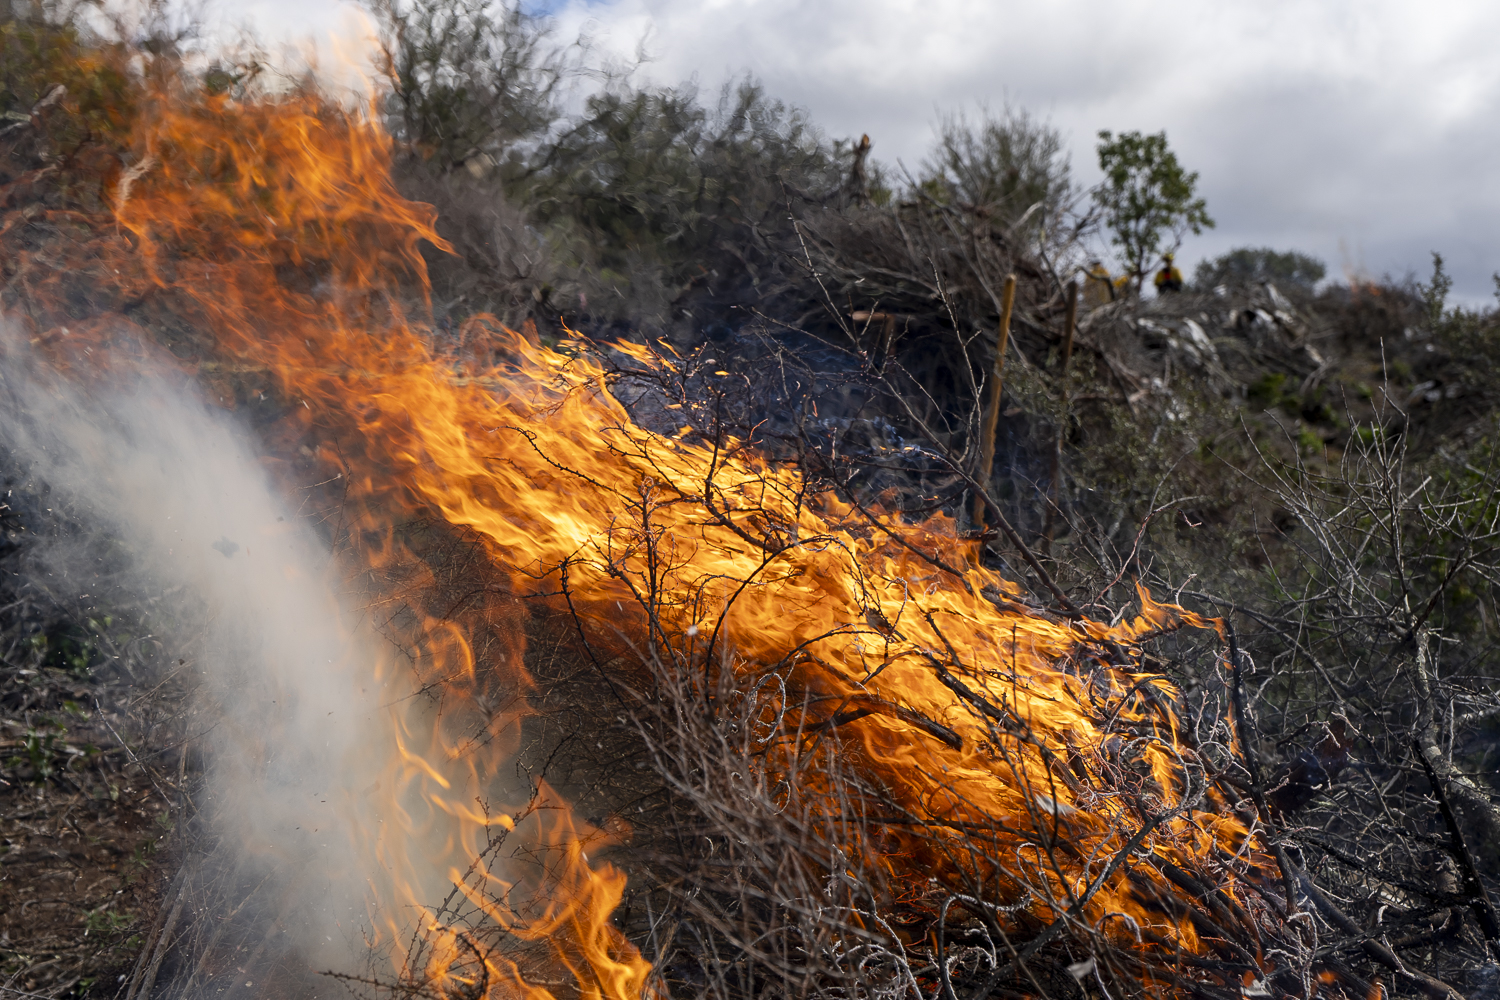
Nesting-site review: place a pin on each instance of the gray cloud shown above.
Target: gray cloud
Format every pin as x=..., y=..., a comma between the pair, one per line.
x=1362, y=132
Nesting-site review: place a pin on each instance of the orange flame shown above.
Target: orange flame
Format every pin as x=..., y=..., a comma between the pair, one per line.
x=277, y=230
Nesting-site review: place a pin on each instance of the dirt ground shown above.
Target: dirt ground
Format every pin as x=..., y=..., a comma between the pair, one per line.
x=85, y=826
x=93, y=768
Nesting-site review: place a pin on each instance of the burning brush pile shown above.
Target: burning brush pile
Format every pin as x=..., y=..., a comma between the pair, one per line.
x=584, y=695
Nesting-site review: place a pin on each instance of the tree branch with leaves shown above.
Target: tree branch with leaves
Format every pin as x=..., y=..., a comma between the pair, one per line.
x=1146, y=194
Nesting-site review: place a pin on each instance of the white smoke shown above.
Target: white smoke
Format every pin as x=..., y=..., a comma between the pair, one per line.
x=300, y=731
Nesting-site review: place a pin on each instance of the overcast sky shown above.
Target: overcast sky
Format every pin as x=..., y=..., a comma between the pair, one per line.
x=1365, y=133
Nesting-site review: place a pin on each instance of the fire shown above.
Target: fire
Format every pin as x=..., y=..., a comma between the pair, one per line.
x=275, y=229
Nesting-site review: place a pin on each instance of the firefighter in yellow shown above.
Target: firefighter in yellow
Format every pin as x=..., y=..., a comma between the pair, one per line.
x=1168, y=279
x=1099, y=287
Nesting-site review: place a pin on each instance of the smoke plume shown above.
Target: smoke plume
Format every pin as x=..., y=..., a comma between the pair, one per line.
x=294, y=697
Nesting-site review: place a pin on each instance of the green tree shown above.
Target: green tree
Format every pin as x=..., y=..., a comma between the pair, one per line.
x=1246, y=266
x=1146, y=193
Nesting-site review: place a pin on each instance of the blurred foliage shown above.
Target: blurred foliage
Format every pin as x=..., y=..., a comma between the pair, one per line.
x=1244, y=267
x=660, y=198
x=1007, y=166
x=1464, y=332
x=469, y=79
x=61, y=89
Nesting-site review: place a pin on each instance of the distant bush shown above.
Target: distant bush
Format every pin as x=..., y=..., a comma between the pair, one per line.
x=1244, y=267
x=1006, y=165
x=1468, y=332
x=657, y=195
x=640, y=206
x=469, y=80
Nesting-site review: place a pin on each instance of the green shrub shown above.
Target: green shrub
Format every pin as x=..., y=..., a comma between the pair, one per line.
x=1248, y=266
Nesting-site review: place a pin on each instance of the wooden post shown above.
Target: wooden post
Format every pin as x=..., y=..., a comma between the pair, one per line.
x=991, y=416
x=1070, y=323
